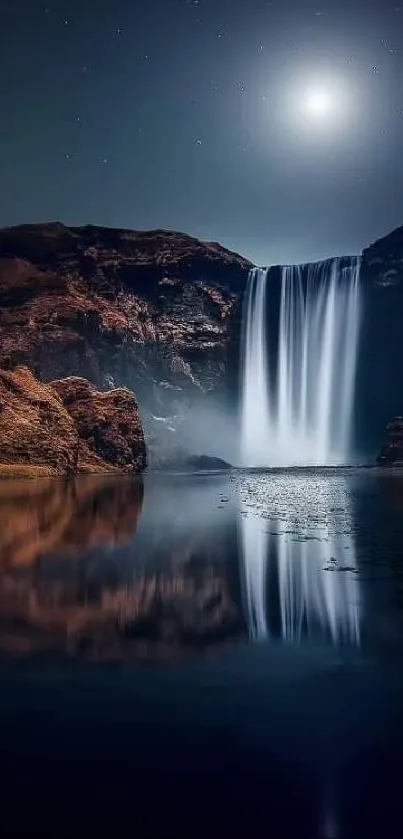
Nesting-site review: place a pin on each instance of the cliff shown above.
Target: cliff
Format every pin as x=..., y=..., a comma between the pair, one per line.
x=391, y=453
x=159, y=312
x=383, y=260
x=66, y=426
x=378, y=396
x=156, y=311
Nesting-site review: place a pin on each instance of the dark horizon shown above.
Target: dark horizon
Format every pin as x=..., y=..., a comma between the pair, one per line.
x=147, y=230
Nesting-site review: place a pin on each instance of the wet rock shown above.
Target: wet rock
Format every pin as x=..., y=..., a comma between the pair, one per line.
x=204, y=463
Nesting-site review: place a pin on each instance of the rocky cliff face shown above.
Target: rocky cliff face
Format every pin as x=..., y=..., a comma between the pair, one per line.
x=391, y=453
x=383, y=260
x=379, y=396
x=155, y=311
x=159, y=312
x=66, y=426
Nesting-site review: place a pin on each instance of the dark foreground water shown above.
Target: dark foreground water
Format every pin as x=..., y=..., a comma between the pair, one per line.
x=202, y=655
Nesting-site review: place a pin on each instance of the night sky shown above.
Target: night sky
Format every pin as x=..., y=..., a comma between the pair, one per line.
x=187, y=115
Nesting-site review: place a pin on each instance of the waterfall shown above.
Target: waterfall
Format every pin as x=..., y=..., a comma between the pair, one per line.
x=297, y=403
x=255, y=397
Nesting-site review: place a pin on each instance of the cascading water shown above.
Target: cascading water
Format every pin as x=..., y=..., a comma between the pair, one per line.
x=255, y=397
x=297, y=407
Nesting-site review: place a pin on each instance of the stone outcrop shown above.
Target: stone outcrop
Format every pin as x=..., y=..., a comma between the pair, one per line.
x=156, y=311
x=391, y=453
x=383, y=260
x=204, y=463
x=66, y=427
x=378, y=399
x=37, y=435
x=108, y=425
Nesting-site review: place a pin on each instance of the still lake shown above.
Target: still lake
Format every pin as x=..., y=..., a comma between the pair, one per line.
x=203, y=655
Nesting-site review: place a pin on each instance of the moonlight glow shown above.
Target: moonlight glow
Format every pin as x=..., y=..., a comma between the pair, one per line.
x=320, y=107
x=318, y=103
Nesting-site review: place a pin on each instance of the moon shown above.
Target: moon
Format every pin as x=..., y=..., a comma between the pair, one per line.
x=318, y=108
x=318, y=103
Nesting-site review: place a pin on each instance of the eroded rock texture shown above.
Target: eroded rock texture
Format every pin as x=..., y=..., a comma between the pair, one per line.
x=157, y=311
x=66, y=426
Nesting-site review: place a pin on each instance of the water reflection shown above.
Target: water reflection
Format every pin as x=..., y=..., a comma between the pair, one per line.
x=300, y=568
x=48, y=518
x=89, y=570
x=78, y=578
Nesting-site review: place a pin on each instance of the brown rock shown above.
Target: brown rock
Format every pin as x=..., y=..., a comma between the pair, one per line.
x=65, y=427
x=37, y=435
x=156, y=311
x=108, y=425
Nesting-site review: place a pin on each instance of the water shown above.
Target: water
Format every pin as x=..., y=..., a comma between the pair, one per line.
x=297, y=408
x=202, y=655
x=303, y=601
x=256, y=428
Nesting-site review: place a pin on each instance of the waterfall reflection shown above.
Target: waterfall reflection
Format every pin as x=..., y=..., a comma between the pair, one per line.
x=89, y=570
x=299, y=574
